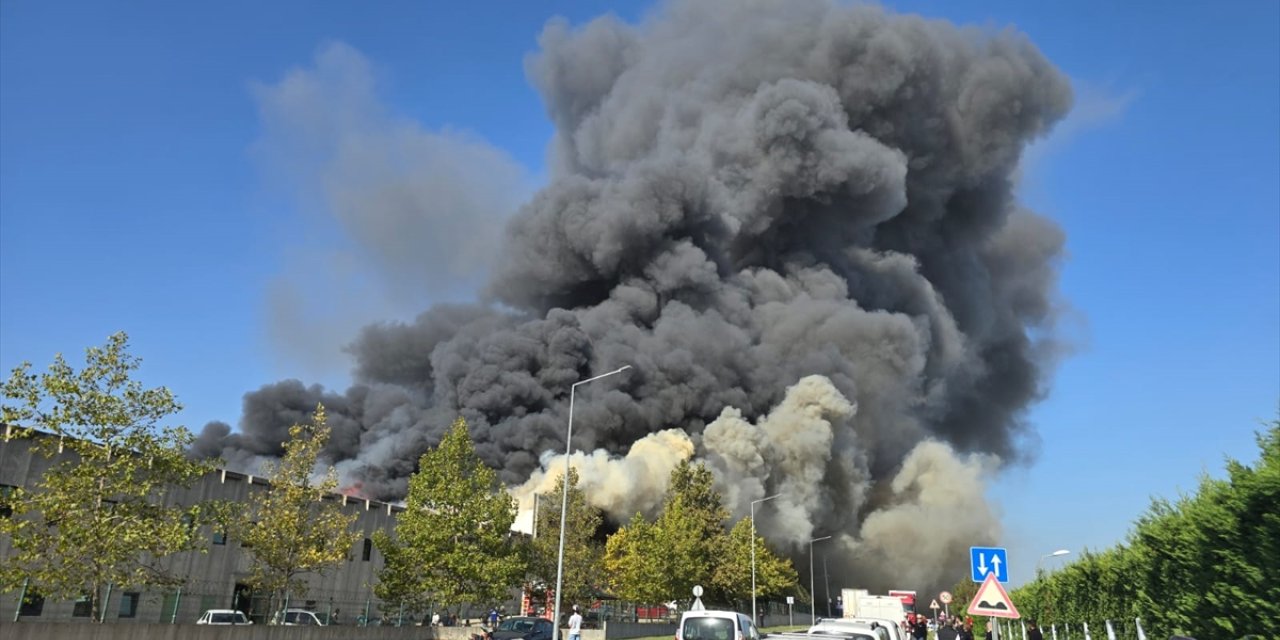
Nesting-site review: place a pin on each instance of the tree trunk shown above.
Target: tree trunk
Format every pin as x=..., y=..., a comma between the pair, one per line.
x=95, y=603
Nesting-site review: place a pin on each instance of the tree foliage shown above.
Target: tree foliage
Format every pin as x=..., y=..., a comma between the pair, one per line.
x=96, y=517
x=775, y=575
x=452, y=542
x=634, y=562
x=687, y=545
x=1203, y=565
x=583, y=556
x=290, y=529
x=692, y=530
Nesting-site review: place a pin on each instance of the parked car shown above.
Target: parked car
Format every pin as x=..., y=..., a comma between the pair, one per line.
x=299, y=618
x=523, y=628
x=708, y=624
x=223, y=616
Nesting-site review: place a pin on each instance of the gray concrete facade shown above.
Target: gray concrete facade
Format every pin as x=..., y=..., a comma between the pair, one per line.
x=213, y=577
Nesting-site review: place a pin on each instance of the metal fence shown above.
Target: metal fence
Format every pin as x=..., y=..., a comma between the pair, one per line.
x=1129, y=629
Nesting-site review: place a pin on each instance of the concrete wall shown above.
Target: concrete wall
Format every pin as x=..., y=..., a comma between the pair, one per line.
x=620, y=630
x=144, y=631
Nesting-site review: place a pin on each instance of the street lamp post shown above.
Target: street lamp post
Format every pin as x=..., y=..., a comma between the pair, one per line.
x=813, y=602
x=564, y=498
x=754, y=618
x=826, y=579
x=1059, y=552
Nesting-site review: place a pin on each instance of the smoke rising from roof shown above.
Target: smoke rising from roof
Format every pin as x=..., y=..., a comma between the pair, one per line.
x=748, y=197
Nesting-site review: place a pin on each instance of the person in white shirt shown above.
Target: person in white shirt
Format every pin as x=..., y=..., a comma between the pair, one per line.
x=575, y=624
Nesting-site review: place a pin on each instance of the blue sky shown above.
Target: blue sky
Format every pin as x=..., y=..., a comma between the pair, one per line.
x=136, y=194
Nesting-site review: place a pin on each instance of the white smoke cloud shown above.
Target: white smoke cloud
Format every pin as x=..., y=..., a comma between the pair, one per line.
x=937, y=509
x=620, y=486
x=787, y=452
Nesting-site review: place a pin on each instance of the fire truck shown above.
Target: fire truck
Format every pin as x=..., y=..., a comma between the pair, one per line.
x=908, y=599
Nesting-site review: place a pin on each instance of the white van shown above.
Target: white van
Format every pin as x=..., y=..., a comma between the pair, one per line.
x=839, y=625
x=716, y=625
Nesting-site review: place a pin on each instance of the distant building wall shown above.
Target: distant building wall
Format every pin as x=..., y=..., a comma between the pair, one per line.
x=212, y=577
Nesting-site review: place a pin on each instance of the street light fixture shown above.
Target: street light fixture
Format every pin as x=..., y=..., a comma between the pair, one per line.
x=813, y=602
x=1059, y=552
x=754, y=618
x=564, y=498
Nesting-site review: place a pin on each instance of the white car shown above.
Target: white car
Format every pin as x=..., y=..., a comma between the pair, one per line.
x=299, y=618
x=223, y=616
x=716, y=625
x=879, y=627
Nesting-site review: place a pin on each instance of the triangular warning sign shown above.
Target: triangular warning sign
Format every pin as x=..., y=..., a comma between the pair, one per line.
x=992, y=600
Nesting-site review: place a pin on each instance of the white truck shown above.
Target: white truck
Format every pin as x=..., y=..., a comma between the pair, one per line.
x=859, y=603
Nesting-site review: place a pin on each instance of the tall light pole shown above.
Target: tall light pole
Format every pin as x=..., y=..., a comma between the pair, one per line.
x=813, y=608
x=1059, y=552
x=826, y=579
x=754, y=618
x=564, y=498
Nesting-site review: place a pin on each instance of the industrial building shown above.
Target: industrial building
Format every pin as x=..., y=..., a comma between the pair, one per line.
x=215, y=578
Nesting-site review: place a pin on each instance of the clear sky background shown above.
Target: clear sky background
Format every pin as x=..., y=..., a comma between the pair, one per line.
x=144, y=187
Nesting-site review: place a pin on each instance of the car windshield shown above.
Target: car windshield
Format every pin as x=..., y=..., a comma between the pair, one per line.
x=227, y=618
x=516, y=625
x=707, y=629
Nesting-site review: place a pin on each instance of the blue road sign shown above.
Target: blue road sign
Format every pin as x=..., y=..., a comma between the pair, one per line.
x=984, y=560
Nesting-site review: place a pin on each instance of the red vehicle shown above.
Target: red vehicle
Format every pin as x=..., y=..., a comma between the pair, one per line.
x=908, y=599
x=652, y=613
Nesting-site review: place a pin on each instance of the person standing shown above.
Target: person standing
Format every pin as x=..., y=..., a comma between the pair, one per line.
x=947, y=632
x=1033, y=631
x=920, y=628
x=575, y=624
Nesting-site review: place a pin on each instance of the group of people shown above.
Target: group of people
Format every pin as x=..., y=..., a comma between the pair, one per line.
x=449, y=619
x=955, y=629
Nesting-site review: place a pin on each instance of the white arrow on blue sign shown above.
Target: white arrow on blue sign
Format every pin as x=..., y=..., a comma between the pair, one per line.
x=984, y=560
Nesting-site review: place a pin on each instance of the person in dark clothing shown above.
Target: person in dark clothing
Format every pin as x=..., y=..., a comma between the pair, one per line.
x=1033, y=631
x=966, y=632
x=948, y=632
x=920, y=629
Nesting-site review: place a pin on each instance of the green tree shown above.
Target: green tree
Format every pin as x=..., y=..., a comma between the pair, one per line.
x=1202, y=565
x=691, y=530
x=663, y=560
x=96, y=517
x=453, y=539
x=583, y=556
x=291, y=530
x=775, y=575
x=634, y=562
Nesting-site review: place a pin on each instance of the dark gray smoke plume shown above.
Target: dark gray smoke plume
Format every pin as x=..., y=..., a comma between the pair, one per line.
x=747, y=197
